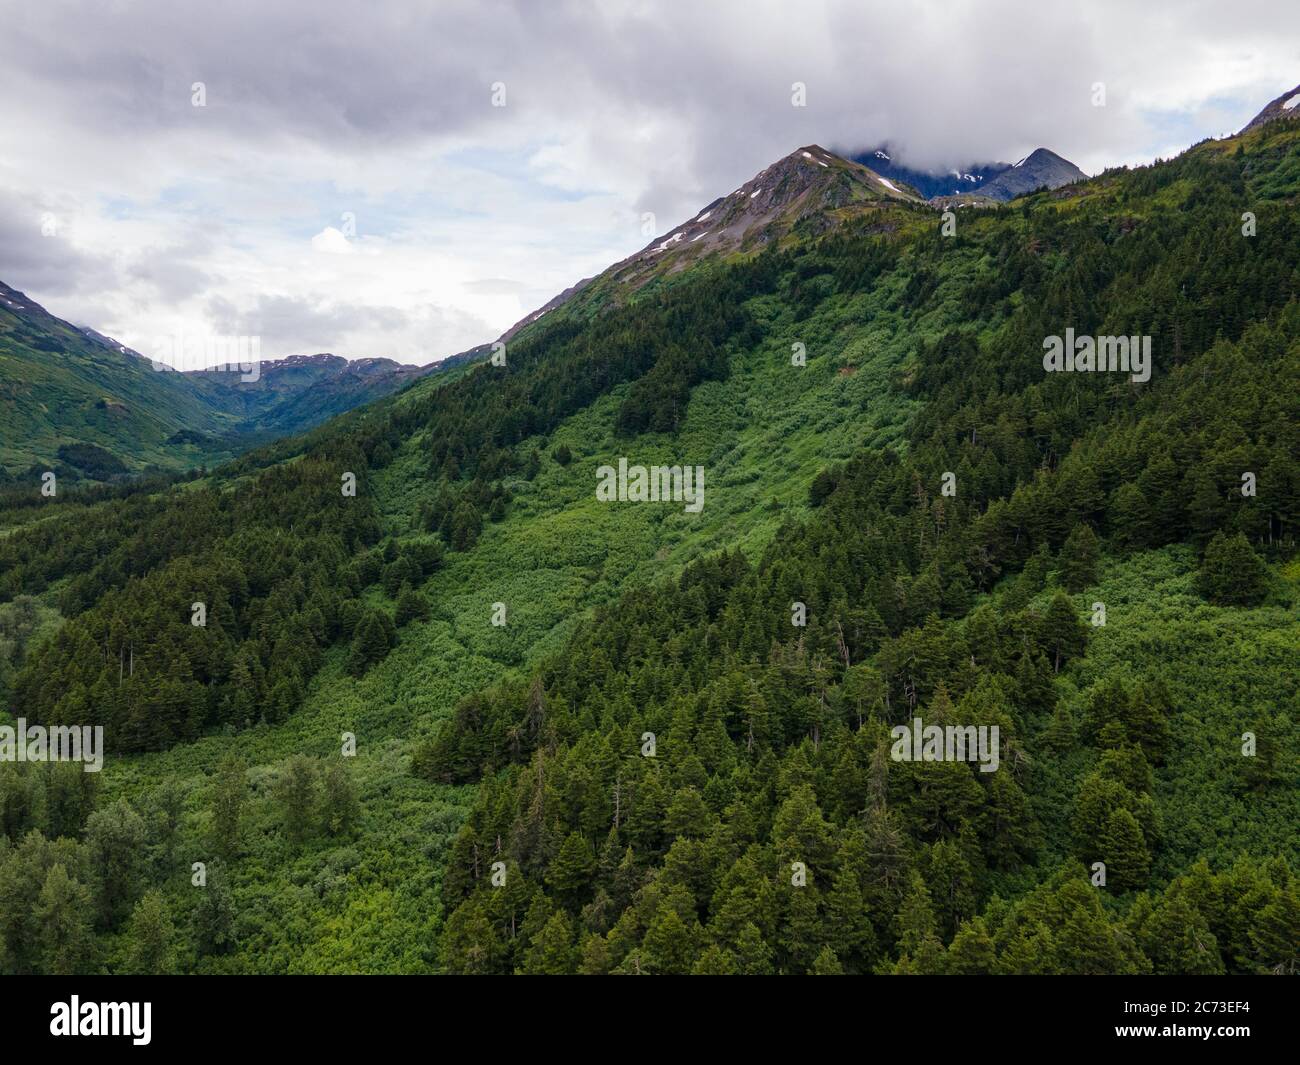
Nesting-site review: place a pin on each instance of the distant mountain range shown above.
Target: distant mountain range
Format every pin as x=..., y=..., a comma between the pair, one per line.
x=998, y=181
x=72, y=395
x=972, y=177
x=66, y=390
x=295, y=393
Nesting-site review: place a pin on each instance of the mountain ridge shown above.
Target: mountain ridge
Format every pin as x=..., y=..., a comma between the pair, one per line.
x=954, y=181
x=63, y=385
x=1041, y=168
x=1284, y=106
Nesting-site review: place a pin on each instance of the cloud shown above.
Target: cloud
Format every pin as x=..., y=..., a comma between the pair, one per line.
x=37, y=247
x=496, y=286
x=316, y=109
x=287, y=324
x=331, y=241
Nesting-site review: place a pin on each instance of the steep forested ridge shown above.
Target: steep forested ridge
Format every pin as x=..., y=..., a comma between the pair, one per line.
x=651, y=766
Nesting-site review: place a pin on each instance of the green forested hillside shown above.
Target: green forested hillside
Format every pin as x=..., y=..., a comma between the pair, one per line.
x=501, y=812
x=84, y=407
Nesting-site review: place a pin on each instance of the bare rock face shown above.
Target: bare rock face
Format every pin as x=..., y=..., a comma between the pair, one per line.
x=1285, y=106
x=1040, y=169
x=803, y=192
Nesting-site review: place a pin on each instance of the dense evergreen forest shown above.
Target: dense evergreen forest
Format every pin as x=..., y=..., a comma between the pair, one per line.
x=676, y=756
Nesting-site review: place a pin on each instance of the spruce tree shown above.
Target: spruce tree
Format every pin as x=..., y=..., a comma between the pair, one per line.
x=1123, y=849
x=1275, y=934
x=1231, y=573
x=412, y=606
x=214, y=917
x=339, y=804
x=1078, y=559
x=1063, y=632
x=552, y=952
x=115, y=839
x=297, y=791
x=569, y=873
x=62, y=919
x=229, y=792
x=151, y=936
x=972, y=952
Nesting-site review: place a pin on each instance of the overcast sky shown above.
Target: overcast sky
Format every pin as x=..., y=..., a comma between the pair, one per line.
x=349, y=185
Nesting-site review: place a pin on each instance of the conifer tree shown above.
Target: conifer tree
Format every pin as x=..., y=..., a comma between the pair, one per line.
x=972, y=952
x=1078, y=559
x=1275, y=934
x=412, y=606
x=229, y=792
x=569, y=873
x=151, y=936
x=552, y=952
x=62, y=918
x=297, y=790
x=1231, y=573
x=214, y=917
x=115, y=839
x=370, y=643
x=1064, y=634
x=339, y=803
x=669, y=944
x=1123, y=849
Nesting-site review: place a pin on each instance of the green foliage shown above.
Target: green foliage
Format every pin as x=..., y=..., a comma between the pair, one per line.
x=1231, y=573
x=374, y=636
x=62, y=917
x=115, y=838
x=152, y=934
x=525, y=742
x=230, y=792
x=298, y=792
x=1079, y=557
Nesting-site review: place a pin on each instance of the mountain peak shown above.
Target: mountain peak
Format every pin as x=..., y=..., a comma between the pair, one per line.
x=805, y=189
x=1039, y=156
x=997, y=181
x=957, y=178
x=1041, y=168
x=1285, y=106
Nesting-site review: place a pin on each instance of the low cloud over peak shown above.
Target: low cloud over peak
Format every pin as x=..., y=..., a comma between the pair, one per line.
x=233, y=157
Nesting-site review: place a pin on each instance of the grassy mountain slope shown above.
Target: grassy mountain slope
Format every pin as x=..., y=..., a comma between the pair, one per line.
x=478, y=742
x=75, y=390
x=60, y=387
